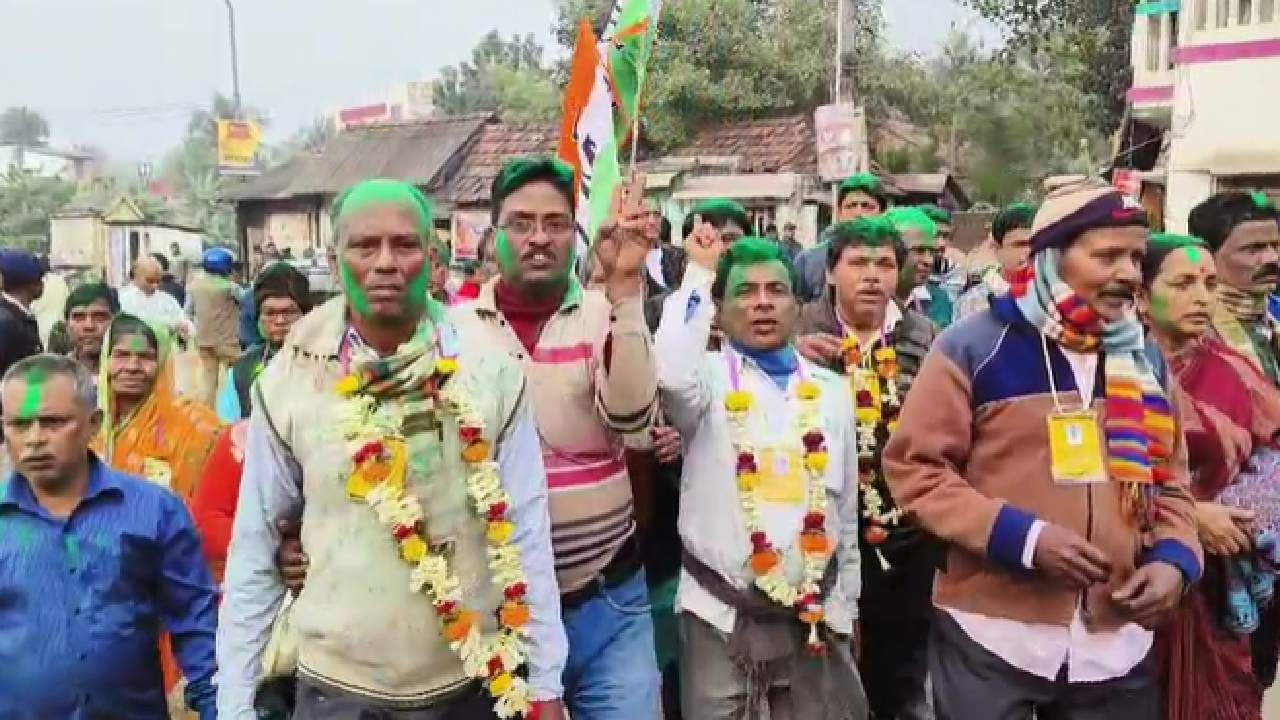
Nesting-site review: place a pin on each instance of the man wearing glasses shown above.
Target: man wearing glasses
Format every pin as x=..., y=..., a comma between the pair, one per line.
x=593, y=385
x=281, y=296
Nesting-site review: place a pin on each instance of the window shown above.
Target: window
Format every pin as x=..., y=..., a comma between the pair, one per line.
x=1201, y=14
x=1266, y=10
x=1222, y=18
x=1245, y=14
x=1154, y=42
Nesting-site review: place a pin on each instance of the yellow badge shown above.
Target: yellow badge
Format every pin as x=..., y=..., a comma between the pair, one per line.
x=1075, y=448
x=781, y=477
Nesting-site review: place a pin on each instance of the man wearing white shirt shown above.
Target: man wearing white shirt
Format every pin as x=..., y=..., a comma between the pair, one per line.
x=1041, y=441
x=144, y=299
x=769, y=496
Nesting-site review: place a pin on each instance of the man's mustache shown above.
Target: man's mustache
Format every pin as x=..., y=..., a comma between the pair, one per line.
x=1268, y=272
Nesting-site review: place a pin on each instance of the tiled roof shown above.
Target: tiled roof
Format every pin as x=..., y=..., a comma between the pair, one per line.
x=415, y=152
x=494, y=144
x=774, y=145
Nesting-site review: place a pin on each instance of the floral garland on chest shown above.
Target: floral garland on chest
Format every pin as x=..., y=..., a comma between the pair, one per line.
x=766, y=561
x=379, y=462
x=874, y=379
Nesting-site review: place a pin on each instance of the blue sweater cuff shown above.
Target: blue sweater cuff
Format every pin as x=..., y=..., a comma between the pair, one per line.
x=1176, y=554
x=1009, y=537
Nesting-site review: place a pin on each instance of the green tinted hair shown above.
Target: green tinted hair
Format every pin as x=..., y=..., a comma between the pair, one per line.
x=519, y=172
x=1012, y=217
x=1159, y=247
x=910, y=218
x=382, y=191
x=718, y=212
x=867, y=183
x=750, y=250
x=936, y=214
x=870, y=232
x=88, y=293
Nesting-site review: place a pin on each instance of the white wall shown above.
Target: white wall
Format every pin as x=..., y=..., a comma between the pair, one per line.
x=76, y=241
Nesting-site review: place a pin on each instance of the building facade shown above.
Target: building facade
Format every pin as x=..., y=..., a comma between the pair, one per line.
x=1206, y=74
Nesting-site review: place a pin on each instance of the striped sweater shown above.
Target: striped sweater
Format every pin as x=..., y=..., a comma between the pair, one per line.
x=592, y=384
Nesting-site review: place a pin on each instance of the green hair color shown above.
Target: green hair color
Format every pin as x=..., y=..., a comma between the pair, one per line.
x=865, y=232
x=381, y=191
x=1160, y=246
x=519, y=172
x=751, y=250
x=910, y=218
x=936, y=214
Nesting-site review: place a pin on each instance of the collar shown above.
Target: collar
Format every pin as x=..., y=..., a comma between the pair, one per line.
x=16, y=491
x=486, y=304
x=16, y=303
x=892, y=317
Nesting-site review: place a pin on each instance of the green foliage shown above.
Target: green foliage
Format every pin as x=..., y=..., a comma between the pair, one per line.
x=23, y=126
x=1096, y=34
x=26, y=202
x=503, y=75
x=719, y=60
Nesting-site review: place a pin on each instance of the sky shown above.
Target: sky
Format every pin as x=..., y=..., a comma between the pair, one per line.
x=123, y=75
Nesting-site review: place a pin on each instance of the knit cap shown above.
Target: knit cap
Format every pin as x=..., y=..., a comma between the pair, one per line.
x=1076, y=204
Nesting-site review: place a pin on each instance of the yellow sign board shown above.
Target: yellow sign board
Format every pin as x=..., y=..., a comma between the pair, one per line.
x=237, y=146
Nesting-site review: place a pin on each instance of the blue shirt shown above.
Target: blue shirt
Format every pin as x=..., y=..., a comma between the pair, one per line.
x=83, y=601
x=249, y=335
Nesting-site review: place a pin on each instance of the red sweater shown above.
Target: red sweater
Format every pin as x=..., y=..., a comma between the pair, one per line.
x=214, y=504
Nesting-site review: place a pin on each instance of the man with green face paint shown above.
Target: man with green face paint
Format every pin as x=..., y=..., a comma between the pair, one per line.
x=593, y=390
x=769, y=496
x=383, y=361
x=917, y=290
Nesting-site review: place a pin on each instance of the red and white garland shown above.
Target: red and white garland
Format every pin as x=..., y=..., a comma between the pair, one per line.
x=379, y=460
x=815, y=546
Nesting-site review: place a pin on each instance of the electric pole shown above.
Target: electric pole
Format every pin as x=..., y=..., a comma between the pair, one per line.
x=235, y=60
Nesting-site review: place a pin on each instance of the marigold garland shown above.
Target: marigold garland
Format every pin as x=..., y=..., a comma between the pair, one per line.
x=874, y=378
x=815, y=546
x=379, y=460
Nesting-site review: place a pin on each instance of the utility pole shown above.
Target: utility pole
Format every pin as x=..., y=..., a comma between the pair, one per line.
x=235, y=60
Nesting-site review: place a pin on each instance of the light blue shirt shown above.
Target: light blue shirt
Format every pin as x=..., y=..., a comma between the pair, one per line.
x=272, y=489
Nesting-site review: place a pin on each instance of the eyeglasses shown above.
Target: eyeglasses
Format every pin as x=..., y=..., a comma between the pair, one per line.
x=869, y=205
x=281, y=315
x=556, y=226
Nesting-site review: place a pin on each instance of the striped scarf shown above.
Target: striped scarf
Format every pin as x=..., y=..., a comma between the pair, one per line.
x=1137, y=420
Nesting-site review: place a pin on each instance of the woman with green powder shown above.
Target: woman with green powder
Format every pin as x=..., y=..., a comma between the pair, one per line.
x=1231, y=416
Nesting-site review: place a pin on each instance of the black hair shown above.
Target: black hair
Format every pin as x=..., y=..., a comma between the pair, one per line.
x=718, y=212
x=515, y=174
x=162, y=260
x=87, y=293
x=280, y=279
x=1012, y=217
x=1216, y=218
x=1159, y=247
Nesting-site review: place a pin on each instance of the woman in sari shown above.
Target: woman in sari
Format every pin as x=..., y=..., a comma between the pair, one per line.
x=147, y=431
x=1231, y=416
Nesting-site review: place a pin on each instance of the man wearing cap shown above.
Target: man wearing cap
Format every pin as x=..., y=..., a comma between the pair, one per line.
x=861, y=195
x=281, y=296
x=215, y=302
x=21, y=283
x=1041, y=442
x=405, y=444
x=1243, y=232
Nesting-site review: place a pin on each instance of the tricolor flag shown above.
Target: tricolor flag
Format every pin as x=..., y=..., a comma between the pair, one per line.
x=633, y=25
x=586, y=135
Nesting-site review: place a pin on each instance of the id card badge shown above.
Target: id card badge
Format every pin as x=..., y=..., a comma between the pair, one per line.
x=1075, y=448
x=781, y=479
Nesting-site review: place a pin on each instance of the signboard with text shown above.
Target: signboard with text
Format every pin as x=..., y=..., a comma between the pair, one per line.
x=238, y=142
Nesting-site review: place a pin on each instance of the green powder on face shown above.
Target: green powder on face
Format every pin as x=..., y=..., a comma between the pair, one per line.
x=416, y=299
x=356, y=296
x=1159, y=308
x=507, y=261
x=32, y=395
x=738, y=276
x=1193, y=254
x=137, y=343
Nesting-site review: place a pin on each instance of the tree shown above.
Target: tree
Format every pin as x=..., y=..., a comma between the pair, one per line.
x=503, y=75
x=26, y=202
x=24, y=127
x=1097, y=33
x=720, y=60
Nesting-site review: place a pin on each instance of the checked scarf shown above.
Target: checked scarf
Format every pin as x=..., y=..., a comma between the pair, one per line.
x=1137, y=420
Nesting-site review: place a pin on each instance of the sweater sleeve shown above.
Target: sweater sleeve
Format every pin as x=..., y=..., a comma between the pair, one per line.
x=922, y=464
x=1175, y=539
x=214, y=505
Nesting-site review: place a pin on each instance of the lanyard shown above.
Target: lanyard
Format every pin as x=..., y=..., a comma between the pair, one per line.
x=1048, y=365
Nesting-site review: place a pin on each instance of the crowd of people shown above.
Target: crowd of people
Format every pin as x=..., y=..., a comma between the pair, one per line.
x=726, y=477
